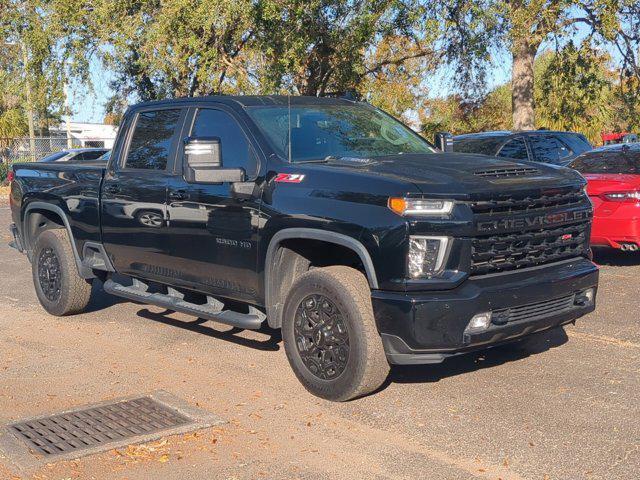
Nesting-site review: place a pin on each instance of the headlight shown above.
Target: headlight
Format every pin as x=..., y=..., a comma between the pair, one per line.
x=420, y=206
x=426, y=255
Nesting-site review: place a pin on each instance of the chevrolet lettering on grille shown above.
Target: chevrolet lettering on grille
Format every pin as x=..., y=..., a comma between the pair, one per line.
x=539, y=221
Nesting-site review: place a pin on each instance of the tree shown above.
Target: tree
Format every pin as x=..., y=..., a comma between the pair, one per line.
x=397, y=88
x=378, y=48
x=33, y=74
x=313, y=47
x=626, y=104
x=456, y=115
x=13, y=121
x=574, y=90
x=479, y=28
x=164, y=49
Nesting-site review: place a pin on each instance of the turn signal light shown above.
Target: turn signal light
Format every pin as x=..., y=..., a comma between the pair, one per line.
x=420, y=207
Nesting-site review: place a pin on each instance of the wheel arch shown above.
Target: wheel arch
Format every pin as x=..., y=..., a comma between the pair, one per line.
x=51, y=212
x=274, y=297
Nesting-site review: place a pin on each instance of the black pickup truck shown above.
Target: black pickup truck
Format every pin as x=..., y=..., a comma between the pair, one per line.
x=321, y=216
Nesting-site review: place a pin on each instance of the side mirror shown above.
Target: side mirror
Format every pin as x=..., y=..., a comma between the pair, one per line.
x=203, y=162
x=444, y=141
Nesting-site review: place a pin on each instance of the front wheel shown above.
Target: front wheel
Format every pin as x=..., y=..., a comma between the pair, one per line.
x=330, y=334
x=59, y=287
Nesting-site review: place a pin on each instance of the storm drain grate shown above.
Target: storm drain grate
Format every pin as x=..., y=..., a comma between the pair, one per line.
x=94, y=426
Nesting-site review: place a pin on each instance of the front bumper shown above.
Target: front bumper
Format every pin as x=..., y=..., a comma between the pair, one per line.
x=428, y=327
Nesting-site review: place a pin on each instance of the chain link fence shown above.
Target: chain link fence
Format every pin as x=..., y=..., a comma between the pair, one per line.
x=27, y=149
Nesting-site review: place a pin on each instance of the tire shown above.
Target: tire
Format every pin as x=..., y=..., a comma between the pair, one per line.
x=328, y=316
x=60, y=290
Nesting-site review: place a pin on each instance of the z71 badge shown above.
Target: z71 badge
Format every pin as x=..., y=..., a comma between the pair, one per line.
x=289, y=178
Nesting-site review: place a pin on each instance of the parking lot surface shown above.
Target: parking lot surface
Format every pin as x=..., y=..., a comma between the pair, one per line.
x=560, y=406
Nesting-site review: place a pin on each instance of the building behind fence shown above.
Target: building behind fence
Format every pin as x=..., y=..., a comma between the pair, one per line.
x=27, y=149
x=62, y=137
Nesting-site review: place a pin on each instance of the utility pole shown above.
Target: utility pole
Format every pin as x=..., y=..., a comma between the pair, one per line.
x=27, y=83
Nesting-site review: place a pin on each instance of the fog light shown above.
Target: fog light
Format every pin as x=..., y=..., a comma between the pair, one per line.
x=480, y=321
x=590, y=294
x=585, y=298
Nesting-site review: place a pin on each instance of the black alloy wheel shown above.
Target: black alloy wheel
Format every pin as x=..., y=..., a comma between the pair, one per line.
x=49, y=274
x=322, y=337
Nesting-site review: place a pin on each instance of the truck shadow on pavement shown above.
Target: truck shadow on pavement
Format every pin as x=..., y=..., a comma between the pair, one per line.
x=615, y=258
x=474, y=361
x=273, y=337
x=100, y=300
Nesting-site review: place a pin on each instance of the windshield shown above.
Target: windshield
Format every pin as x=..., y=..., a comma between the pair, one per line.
x=609, y=162
x=104, y=157
x=55, y=156
x=319, y=132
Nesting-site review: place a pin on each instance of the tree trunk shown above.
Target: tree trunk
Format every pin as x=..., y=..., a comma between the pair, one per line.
x=522, y=98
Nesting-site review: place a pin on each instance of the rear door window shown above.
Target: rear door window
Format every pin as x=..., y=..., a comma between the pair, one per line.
x=514, y=148
x=152, y=139
x=548, y=148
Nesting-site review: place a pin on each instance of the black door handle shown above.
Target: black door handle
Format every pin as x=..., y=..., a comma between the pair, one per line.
x=112, y=188
x=178, y=195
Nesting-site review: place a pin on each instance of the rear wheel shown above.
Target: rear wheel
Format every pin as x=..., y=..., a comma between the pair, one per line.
x=330, y=335
x=59, y=287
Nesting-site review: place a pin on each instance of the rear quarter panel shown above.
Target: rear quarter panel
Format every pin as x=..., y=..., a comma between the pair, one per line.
x=73, y=188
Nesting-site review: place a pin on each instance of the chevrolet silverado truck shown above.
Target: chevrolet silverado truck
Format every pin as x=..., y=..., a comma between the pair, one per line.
x=323, y=217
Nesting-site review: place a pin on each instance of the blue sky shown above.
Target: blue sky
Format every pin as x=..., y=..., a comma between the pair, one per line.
x=88, y=105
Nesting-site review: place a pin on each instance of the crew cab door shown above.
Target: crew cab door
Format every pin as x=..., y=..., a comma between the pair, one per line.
x=213, y=232
x=134, y=194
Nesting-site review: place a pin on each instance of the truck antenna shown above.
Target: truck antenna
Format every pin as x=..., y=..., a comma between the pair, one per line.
x=289, y=106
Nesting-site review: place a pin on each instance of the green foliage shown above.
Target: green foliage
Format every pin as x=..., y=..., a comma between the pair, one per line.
x=574, y=91
x=179, y=48
x=317, y=46
x=475, y=30
x=12, y=123
x=455, y=115
x=382, y=49
x=29, y=61
x=626, y=104
x=4, y=171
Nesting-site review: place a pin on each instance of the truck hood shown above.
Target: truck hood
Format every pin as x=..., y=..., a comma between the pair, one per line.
x=461, y=175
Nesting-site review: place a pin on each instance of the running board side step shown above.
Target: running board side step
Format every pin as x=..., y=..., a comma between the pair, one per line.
x=213, y=310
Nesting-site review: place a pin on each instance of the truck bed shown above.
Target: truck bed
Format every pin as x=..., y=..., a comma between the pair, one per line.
x=72, y=188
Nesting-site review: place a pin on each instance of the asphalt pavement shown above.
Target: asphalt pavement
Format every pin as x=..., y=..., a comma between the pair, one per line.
x=564, y=405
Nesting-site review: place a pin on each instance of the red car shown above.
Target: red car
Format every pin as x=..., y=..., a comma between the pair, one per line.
x=613, y=176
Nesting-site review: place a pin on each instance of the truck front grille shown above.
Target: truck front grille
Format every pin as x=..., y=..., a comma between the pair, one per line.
x=527, y=203
x=510, y=251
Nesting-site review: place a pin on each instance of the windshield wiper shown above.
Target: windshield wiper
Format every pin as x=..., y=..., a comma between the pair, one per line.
x=316, y=160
